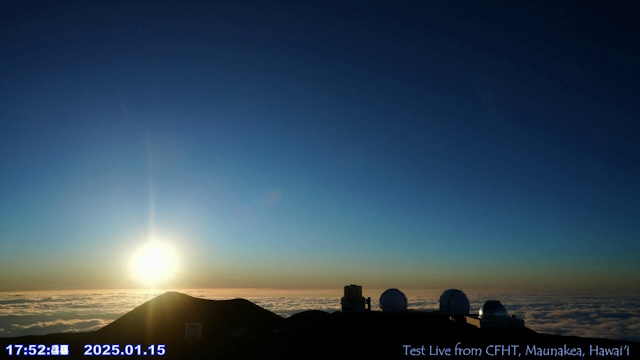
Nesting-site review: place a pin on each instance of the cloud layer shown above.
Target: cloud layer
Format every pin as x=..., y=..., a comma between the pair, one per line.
x=580, y=315
x=40, y=313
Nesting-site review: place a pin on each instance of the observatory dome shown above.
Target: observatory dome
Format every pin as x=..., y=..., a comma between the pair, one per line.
x=493, y=309
x=454, y=302
x=393, y=300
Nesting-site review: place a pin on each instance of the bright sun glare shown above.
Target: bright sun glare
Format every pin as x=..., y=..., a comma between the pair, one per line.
x=153, y=263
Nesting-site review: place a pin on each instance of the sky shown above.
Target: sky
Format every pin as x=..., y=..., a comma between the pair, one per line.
x=310, y=145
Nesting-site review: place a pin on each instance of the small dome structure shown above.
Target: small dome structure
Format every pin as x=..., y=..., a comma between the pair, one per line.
x=393, y=300
x=493, y=309
x=454, y=302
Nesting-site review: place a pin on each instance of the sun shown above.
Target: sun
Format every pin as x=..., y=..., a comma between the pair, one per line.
x=153, y=263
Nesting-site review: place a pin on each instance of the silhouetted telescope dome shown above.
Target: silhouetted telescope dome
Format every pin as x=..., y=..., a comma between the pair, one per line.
x=454, y=302
x=493, y=309
x=393, y=300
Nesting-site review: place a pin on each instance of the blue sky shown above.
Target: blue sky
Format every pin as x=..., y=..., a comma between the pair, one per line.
x=315, y=144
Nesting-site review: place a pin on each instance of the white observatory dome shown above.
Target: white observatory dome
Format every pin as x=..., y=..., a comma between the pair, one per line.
x=454, y=302
x=493, y=309
x=393, y=300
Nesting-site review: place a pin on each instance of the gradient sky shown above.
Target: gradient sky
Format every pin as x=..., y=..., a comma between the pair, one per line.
x=316, y=144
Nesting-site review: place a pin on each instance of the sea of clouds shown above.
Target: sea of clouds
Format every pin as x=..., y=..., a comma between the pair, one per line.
x=39, y=313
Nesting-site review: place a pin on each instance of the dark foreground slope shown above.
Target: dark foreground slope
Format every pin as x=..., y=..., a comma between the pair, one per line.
x=239, y=329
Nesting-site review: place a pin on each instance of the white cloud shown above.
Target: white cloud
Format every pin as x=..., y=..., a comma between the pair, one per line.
x=57, y=326
x=590, y=315
x=578, y=315
x=40, y=313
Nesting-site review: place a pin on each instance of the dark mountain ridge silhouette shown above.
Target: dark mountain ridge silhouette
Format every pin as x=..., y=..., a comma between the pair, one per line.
x=164, y=318
x=240, y=329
